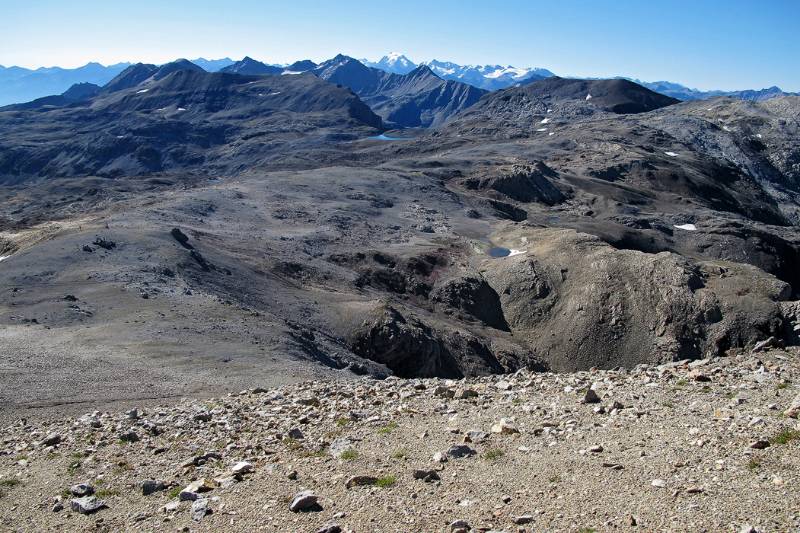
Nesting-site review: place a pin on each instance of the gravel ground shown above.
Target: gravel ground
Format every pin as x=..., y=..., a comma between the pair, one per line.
x=705, y=446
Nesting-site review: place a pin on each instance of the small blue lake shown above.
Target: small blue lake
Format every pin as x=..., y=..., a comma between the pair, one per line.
x=497, y=251
x=384, y=137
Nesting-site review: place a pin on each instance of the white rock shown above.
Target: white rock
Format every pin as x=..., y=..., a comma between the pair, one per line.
x=242, y=467
x=303, y=501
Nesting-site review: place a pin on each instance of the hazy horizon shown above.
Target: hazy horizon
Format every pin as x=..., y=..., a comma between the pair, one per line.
x=710, y=45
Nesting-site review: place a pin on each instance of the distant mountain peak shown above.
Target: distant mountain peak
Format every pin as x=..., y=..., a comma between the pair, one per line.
x=490, y=77
x=681, y=92
x=174, y=66
x=394, y=62
x=213, y=65
x=422, y=71
x=251, y=67
x=304, y=65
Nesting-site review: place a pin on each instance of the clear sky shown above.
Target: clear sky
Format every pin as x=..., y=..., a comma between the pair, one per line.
x=707, y=44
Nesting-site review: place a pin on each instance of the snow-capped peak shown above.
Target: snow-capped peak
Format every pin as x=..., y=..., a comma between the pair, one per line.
x=393, y=62
x=489, y=77
x=394, y=57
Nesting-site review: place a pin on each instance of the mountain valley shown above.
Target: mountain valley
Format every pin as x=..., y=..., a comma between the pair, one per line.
x=263, y=280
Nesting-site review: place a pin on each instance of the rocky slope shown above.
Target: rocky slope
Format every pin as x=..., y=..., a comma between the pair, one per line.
x=710, y=445
x=170, y=118
x=418, y=98
x=250, y=67
x=275, y=237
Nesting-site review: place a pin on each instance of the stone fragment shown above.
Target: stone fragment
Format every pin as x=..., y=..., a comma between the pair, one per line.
x=205, y=458
x=475, y=436
x=504, y=427
x=203, y=416
x=296, y=433
x=360, y=481
x=305, y=501
x=87, y=505
x=195, y=488
x=762, y=346
x=242, y=467
x=697, y=375
x=311, y=401
x=794, y=409
x=459, y=526
x=457, y=451
x=591, y=396
x=440, y=457
x=81, y=489
x=151, y=486
x=426, y=475
x=760, y=444
x=444, y=392
x=200, y=509
x=129, y=436
x=465, y=394
x=51, y=440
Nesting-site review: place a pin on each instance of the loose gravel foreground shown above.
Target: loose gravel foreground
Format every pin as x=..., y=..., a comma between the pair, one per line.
x=712, y=445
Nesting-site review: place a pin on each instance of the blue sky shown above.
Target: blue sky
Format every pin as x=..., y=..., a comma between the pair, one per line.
x=707, y=44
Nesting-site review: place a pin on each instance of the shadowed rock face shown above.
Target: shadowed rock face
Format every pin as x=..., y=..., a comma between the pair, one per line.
x=578, y=302
x=473, y=296
x=522, y=183
x=417, y=99
x=411, y=348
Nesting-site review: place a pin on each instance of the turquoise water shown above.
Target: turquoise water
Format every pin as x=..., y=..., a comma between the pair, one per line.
x=497, y=251
x=384, y=137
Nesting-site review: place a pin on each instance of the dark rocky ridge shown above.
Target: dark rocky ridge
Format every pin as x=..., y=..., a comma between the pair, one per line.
x=417, y=99
x=617, y=96
x=185, y=119
x=250, y=67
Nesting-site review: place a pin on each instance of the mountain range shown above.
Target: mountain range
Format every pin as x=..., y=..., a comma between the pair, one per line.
x=18, y=84
x=560, y=224
x=271, y=225
x=417, y=98
x=488, y=77
x=176, y=116
x=680, y=92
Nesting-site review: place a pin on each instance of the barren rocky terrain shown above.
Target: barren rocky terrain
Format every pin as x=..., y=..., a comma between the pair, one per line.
x=707, y=445
x=570, y=305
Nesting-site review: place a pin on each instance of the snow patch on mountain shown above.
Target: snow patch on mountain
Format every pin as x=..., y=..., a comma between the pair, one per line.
x=394, y=62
